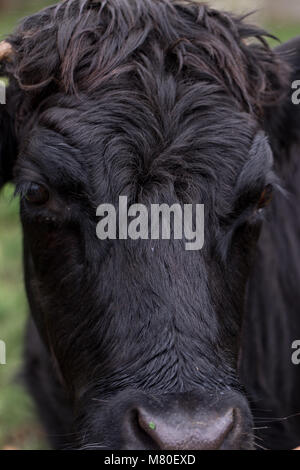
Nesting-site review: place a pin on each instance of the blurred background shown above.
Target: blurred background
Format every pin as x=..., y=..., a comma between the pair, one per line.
x=19, y=427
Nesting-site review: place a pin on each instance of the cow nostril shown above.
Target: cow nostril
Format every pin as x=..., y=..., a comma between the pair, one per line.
x=136, y=435
x=177, y=432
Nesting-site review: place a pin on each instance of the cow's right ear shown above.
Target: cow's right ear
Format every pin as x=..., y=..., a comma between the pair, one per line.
x=8, y=141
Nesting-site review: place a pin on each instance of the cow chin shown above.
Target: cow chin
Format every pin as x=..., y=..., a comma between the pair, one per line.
x=186, y=421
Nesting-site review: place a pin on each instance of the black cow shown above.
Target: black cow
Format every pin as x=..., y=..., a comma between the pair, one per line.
x=141, y=344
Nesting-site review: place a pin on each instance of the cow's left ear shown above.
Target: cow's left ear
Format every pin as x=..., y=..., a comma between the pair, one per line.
x=8, y=145
x=8, y=141
x=282, y=121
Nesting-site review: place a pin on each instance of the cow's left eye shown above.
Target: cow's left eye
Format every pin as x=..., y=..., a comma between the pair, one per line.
x=37, y=194
x=265, y=197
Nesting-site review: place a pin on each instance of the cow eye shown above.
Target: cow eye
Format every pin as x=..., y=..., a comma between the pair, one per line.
x=265, y=197
x=37, y=194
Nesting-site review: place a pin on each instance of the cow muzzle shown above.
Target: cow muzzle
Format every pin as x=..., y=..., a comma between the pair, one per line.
x=206, y=429
x=179, y=422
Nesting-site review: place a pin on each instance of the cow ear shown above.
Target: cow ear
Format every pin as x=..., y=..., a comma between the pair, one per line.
x=8, y=142
x=282, y=121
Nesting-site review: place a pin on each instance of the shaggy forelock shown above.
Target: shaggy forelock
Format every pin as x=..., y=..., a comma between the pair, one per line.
x=79, y=45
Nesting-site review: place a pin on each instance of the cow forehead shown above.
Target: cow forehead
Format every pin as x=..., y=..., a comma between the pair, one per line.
x=119, y=137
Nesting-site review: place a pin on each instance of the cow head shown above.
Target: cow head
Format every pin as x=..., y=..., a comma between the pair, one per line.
x=162, y=102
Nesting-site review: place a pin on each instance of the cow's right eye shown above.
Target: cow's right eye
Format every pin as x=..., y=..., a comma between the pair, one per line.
x=37, y=194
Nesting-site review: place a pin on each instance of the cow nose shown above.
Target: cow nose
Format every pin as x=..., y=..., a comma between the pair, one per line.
x=207, y=431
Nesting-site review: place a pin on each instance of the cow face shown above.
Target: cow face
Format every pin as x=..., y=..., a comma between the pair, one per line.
x=145, y=335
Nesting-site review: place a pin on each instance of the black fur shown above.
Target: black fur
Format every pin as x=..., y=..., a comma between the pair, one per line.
x=162, y=102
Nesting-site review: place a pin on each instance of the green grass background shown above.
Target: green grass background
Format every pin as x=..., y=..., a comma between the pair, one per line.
x=19, y=427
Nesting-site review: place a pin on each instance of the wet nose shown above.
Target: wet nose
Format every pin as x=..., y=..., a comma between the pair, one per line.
x=176, y=431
